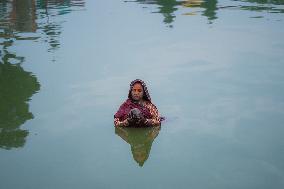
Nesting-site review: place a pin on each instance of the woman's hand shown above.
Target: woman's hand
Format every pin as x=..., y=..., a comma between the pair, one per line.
x=141, y=121
x=136, y=118
x=131, y=121
x=148, y=122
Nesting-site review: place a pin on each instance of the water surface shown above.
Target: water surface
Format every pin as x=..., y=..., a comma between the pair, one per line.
x=213, y=68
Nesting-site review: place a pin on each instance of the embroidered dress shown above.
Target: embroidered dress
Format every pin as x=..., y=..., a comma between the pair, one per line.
x=146, y=107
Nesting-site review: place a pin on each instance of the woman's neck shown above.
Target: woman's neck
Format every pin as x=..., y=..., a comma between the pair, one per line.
x=138, y=101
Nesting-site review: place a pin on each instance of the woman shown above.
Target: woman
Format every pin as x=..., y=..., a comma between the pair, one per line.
x=138, y=109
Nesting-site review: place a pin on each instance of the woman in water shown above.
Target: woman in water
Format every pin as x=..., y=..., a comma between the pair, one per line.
x=137, y=110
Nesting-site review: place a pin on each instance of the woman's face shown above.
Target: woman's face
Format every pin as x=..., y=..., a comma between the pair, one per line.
x=137, y=92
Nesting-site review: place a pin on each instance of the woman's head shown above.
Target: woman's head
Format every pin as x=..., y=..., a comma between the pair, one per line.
x=138, y=91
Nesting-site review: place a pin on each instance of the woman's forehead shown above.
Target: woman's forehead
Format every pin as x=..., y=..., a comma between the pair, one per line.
x=137, y=85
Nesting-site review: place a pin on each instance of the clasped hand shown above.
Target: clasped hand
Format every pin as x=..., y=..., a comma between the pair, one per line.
x=136, y=118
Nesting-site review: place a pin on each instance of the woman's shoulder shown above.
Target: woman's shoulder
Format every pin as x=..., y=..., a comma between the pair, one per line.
x=126, y=102
x=150, y=104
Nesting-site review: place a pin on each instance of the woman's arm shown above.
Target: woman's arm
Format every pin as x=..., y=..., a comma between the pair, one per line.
x=118, y=123
x=155, y=121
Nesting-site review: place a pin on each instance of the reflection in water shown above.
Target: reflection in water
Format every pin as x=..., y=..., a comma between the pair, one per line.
x=41, y=17
x=270, y=6
x=49, y=12
x=16, y=88
x=16, y=85
x=15, y=18
x=209, y=8
x=140, y=140
x=23, y=15
x=23, y=20
x=168, y=7
x=273, y=2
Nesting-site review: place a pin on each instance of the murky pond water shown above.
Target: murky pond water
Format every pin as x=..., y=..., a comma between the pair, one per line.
x=213, y=68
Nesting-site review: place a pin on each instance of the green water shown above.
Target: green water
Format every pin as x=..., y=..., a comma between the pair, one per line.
x=213, y=68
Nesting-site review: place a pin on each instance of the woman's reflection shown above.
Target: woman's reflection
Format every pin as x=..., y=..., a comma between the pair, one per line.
x=140, y=140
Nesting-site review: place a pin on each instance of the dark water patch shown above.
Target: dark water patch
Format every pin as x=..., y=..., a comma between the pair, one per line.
x=264, y=2
x=262, y=9
x=256, y=17
x=16, y=88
